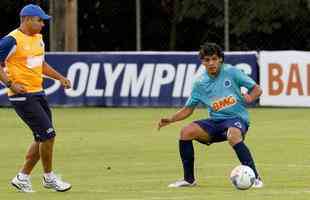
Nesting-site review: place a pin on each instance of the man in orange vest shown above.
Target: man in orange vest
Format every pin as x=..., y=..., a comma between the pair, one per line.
x=22, y=57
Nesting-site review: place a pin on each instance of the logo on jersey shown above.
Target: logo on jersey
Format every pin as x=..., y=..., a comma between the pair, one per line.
x=227, y=83
x=224, y=103
x=238, y=124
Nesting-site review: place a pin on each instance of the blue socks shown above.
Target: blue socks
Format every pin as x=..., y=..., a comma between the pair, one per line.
x=245, y=156
x=187, y=156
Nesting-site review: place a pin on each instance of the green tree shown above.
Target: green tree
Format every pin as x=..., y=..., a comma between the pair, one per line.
x=208, y=12
x=267, y=24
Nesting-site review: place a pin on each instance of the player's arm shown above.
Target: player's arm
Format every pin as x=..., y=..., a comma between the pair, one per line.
x=7, y=48
x=15, y=87
x=181, y=114
x=3, y=77
x=6, y=45
x=253, y=94
x=254, y=90
x=184, y=112
x=50, y=72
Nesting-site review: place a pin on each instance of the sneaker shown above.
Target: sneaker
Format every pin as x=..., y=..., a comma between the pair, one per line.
x=23, y=185
x=56, y=184
x=182, y=183
x=258, y=183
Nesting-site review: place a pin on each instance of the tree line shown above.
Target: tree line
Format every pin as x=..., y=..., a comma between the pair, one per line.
x=181, y=25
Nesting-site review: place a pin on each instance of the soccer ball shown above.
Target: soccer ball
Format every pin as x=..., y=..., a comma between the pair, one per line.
x=242, y=177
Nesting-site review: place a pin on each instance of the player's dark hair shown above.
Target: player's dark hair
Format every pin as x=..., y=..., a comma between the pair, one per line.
x=209, y=49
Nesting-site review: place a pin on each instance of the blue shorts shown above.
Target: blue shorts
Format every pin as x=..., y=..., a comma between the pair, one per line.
x=34, y=110
x=217, y=128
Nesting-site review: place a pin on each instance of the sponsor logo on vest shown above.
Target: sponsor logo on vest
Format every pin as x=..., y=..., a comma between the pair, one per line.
x=27, y=47
x=224, y=103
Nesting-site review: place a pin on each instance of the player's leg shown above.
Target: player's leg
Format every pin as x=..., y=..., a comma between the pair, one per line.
x=46, y=139
x=38, y=120
x=22, y=180
x=46, y=153
x=24, y=107
x=235, y=137
x=31, y=159
x=189, y=133
x=50, y=180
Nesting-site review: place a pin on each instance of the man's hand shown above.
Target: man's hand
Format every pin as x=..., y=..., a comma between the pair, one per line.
x=253, y=95
x=163, y=122
x=18, y=88
x=65, y=83
x=247, y=98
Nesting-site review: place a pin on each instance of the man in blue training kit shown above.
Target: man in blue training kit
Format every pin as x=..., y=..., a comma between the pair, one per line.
x=219, y=90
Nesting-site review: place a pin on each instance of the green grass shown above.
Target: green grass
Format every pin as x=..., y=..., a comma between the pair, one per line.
x=143, y=161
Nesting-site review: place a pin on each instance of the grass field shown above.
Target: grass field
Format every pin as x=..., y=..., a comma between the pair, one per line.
x=143, y=161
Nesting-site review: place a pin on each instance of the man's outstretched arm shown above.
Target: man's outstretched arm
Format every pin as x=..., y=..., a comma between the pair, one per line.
x=183, y=113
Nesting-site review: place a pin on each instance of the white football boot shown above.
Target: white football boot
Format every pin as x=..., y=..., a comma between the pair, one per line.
x=182, y=183
x=23, y=185
x=56, y=184
x=258, y=183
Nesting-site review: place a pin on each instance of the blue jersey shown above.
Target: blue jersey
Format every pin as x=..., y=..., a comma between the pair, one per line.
x=222, y=94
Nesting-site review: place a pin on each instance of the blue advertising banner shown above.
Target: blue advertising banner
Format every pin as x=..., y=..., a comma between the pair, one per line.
x=131, y=79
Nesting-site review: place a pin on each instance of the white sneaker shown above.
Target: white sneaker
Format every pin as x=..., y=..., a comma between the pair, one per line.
x=182, y=183
x=56, y=184
x=23, y=185
x=258, y=183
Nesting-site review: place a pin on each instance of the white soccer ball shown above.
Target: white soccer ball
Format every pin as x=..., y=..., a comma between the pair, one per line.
x=242, y=177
